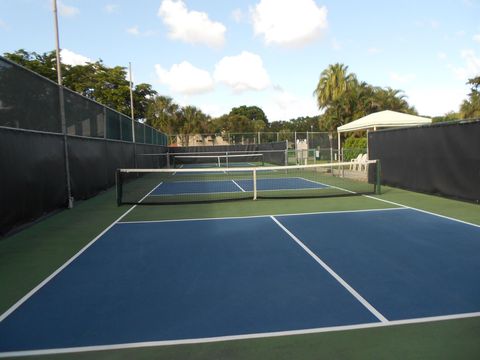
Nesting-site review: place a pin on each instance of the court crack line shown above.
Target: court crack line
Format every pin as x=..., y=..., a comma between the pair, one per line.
x=337, y=277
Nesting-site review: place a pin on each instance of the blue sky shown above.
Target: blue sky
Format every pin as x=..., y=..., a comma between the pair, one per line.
x=220, y=54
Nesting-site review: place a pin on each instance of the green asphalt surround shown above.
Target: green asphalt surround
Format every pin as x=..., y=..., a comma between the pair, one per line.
x=31, y=255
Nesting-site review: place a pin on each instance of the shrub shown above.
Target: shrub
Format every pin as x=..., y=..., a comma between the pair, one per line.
x=354, y=146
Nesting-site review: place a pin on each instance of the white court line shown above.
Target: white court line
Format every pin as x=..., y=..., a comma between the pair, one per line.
x=308, y=180
x=199, y=181
x=195, y=193
x=405, y=206
x=337, y=277
x=257, y=216
x=243, y=190
x=424, y=211
x=181, y=166
x=155, y=188
x=144, y=344
x=56, y=272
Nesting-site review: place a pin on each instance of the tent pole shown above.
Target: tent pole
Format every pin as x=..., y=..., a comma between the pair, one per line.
x=339, y=146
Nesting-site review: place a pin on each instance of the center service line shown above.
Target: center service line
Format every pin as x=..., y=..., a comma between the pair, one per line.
x=337, y=277
x=243, y=190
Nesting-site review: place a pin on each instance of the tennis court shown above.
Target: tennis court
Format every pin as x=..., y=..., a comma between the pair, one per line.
x=187, y=185
x=212, y=186
x=147, y=283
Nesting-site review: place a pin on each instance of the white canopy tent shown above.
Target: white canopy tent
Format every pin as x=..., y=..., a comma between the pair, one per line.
x=381, y=119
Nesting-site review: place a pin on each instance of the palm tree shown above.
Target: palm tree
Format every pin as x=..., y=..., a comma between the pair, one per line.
x=334, y=82
x=162, y=114
x=392, y=99
x=191, y=121
x=470, y=108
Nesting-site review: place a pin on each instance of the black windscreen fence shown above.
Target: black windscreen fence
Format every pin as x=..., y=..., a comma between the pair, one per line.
x=93, y=163
x=32, y=176
x=439, y=159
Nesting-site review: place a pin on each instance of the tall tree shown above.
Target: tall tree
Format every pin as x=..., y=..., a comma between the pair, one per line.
x=475, y=82
x=334, y=82
x=343, y=98
x=108, y=86
x=191, y=120
x=43, y=64
x=251, y=112
x=162, y=114
x=470, y=107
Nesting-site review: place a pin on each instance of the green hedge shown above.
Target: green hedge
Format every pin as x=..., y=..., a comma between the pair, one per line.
x=354, y=146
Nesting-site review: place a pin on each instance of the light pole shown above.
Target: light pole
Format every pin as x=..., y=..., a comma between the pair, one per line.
x=62, y=106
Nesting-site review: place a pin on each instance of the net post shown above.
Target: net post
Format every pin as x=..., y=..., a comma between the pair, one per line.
x=378, y=189
x=118, y=181
x=254, y=184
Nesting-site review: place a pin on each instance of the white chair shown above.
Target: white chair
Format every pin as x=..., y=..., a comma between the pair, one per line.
x=355, y=162
x=363, y=163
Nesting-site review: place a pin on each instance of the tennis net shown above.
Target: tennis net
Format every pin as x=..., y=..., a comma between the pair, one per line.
x=173, y=186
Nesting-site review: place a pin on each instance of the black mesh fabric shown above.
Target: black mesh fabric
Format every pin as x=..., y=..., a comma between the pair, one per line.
x=438, y=159
x=33, y=181
x=27, y=100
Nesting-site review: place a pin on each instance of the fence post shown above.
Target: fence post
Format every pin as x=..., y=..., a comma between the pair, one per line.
x=104, y=122
x=119, y=189
x=378, y=182
x=254, y=184
x=65, y=146
x=286, y=152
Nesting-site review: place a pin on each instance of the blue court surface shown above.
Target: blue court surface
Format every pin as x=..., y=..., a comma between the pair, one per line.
x=194, y=279
x=228, y=186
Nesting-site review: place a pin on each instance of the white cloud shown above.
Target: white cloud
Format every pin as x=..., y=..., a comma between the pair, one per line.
x=66, y=10
x=441, y=55
x=191, y=26
x=374, y=50
x=237, y=15
x=476, y=38
x=289, y=22
x=402, y=78
x=71, y=58
x=3, y=25
x=436, y=101
x=214, y=110
x=285, y=105
x=336, y=45
x=184, y=78
x=242, y=72
x=111, y=8
x=471, y=67
x=133, y=30
x=434, y=24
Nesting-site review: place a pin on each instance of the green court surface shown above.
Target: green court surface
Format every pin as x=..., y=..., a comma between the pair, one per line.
x=31, y=255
